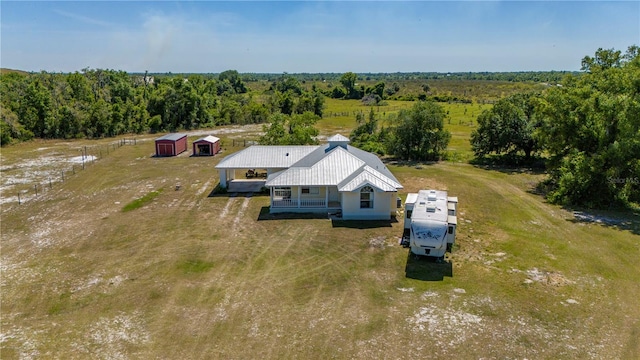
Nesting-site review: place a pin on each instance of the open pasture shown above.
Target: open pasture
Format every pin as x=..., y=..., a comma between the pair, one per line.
x=188, y=275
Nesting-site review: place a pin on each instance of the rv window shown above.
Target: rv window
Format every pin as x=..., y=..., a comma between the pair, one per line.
x=409, y=212
x=450, y=229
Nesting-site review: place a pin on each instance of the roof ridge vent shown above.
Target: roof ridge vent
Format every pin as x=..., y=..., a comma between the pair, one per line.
x=338, y=140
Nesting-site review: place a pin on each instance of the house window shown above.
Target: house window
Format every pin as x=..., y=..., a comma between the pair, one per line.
x=366, y=197
x=283, y=192
x=311, y=191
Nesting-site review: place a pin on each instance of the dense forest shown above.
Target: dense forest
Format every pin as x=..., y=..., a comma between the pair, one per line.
x=104, y=103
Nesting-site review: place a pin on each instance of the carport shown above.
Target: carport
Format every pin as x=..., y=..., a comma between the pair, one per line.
x=234, y=170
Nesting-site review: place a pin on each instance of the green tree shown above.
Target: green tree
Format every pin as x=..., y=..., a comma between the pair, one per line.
x=36, y=110
x=419, y=133
x=508, y=127
x=348, y=80
x=377, y=89
x=366, y=135
x=233, y=79
x=297, y=129
x=287, y=83
x=591, y=130
x=10, y=127
x=318, y=103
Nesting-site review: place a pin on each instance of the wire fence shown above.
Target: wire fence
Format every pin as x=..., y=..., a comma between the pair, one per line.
x=33, y=182
x=243, y=142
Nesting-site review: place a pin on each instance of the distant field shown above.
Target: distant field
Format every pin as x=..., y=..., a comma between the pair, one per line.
x=340, y=117
x=191, y=276
x=477, y=90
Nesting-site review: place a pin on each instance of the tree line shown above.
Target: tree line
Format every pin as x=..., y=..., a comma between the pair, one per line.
x=514, y=76
x=97, y=103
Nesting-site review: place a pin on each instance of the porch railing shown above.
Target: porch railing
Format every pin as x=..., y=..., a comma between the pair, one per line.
x=304, y=203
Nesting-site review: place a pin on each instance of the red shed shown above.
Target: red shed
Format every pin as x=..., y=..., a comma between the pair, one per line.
x=206, y=146
x=171, y=144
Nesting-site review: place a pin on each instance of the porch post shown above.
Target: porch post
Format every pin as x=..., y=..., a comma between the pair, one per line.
x=326, y=197
x=299, y=194
x=223, y=178
x=271, y=196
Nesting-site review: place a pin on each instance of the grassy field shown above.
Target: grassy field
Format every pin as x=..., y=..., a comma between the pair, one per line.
x=461, y=118
x=188, y=275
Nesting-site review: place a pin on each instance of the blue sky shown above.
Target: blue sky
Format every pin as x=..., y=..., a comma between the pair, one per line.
x=267, y=36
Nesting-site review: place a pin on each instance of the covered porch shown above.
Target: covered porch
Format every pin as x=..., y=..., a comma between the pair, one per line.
x=239, y=175
x=304, y=199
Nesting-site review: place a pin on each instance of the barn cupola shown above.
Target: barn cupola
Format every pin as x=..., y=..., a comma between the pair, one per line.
x=337, y=140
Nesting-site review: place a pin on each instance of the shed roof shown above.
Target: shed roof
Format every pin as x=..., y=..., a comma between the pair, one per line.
x=173, y=137
x=209, y=138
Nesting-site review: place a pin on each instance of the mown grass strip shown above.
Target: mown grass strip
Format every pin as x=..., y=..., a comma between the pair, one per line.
x=195, y=266
x=140, y=202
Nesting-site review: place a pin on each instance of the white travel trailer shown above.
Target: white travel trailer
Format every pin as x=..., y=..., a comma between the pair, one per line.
x=430, y=222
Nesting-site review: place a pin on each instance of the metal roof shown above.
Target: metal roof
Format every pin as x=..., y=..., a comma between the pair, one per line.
x=338, y=138
x=344, y=166
x=173, y=137
x=209, y=138
x=331, y=169
x=338, y=167
x=369, y=159
x=265, y=157
x=372, y=160
x=368, y=176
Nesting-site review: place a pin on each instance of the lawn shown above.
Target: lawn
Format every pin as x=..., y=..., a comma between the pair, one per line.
x=186, y=275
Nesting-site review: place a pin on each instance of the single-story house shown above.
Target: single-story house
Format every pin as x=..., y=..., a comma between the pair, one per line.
x=171, y=144
x=206, y=146
x=326, y=178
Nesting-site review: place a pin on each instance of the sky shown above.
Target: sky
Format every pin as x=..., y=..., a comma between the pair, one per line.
x=312, y=36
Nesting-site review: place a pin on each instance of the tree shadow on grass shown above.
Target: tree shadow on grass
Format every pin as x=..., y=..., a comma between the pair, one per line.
x=427, y=268
x=408, y=163
x=622, y=219
x=511, y=164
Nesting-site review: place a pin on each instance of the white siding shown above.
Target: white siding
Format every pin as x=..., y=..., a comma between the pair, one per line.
x=381, y=204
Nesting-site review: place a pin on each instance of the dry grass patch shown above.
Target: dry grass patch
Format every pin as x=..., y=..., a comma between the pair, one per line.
x=192, y=276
